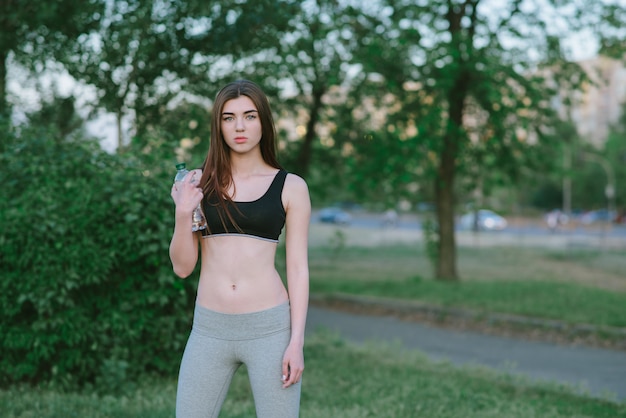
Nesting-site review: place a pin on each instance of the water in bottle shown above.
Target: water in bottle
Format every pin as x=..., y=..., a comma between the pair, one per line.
x=198, y=220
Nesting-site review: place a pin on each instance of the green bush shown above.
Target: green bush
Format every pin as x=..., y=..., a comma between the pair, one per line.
x=86, y=290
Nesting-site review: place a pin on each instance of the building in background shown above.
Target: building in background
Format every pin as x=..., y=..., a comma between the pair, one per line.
x=600, y=103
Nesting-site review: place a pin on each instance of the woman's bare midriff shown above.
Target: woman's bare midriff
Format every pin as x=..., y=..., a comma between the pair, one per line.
x=250, y=284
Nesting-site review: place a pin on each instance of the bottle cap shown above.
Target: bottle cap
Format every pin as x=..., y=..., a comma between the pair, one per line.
x=180, y=166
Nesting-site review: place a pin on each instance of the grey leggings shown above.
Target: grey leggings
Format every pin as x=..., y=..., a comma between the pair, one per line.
x=218, y=344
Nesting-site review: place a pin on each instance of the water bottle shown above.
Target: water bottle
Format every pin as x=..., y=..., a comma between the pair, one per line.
x=198, y=221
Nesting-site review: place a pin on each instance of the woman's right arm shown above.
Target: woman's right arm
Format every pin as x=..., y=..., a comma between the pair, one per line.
x=184, y=243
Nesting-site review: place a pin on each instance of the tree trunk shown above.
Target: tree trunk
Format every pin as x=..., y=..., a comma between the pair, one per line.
x=120, y=133
x=4, y=108
x=444, y=184
x=444, y=195
x=303, y=160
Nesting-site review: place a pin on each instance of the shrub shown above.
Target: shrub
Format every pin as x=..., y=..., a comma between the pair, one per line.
x=86, y=290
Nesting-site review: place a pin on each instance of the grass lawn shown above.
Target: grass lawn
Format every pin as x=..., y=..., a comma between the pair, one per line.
x=344, y=380
x=583, y=286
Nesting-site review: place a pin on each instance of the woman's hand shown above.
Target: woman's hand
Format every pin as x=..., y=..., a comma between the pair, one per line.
x=293, y=365
x=186, y=193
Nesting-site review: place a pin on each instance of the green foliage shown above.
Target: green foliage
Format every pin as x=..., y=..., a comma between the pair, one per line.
x=58, y=113
x=87, y=293
x=314, y=59
x=33, y=31
x=337, y=243
x=548, y=195
x=431, y=239
x=615, y=154
x=183, y=131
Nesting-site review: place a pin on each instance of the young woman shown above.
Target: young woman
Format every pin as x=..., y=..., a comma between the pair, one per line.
x=244, y=314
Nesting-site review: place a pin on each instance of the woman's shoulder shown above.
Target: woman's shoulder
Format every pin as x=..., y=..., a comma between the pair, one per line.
x=294, y=180
x=295, y=188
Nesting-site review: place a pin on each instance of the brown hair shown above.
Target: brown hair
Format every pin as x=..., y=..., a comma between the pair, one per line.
x=216, y=170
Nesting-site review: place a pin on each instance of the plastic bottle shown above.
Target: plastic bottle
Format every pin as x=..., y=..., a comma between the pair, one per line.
x=198, y=222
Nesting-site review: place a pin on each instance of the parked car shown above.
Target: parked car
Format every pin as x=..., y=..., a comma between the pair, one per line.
x=487, y=220
x=600, y=215
x=335, y=215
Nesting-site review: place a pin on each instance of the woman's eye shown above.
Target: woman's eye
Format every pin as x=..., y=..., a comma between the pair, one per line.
x=251, y=117
x=228, y=118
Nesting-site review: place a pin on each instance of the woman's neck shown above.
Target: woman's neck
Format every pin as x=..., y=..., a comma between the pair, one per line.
x=245, y=166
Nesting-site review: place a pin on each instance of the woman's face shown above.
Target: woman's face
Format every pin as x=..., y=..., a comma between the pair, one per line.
x=241, y=125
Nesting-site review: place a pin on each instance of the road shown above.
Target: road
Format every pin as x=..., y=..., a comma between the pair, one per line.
x=598, y=372
x=516, y=226
x=368, y=228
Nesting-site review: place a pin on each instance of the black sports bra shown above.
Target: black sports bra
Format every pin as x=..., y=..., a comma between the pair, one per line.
x=263, y=218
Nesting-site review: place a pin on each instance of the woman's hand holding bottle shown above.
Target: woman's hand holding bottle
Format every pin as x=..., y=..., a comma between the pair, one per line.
x=187, y=196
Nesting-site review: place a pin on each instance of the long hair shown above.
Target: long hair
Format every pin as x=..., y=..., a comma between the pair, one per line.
x=216, y=171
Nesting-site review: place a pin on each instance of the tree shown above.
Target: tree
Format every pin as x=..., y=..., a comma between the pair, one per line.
x=315, y=75
x=147, y=53
x=131, y=60
x=615, y=153
x=553, y=187
x=228, y=38
x=312, y=64
x=486, y=76
x=597, y=169
x=58, y=114
x=32, y=31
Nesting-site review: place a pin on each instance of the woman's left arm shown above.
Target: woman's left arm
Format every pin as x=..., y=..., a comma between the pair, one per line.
x=298, y=209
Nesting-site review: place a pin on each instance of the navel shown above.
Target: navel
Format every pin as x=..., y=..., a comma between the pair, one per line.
x=234, y=287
